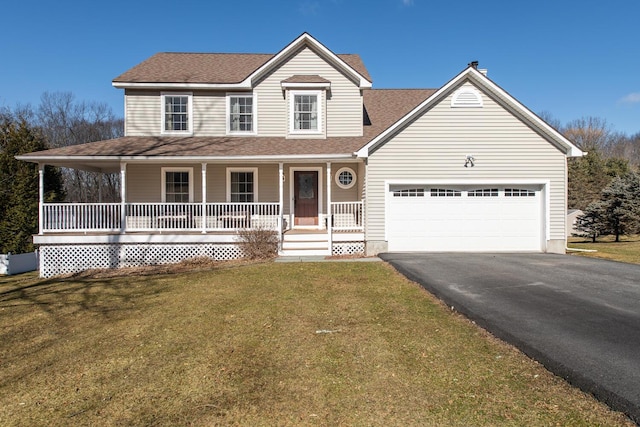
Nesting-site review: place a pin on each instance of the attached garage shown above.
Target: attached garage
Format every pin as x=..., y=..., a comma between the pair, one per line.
x=481, y=218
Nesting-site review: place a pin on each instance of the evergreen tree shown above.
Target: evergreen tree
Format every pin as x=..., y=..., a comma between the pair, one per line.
x=621, y=201
x=19, y=185
x=591, y=223
x=588, y=175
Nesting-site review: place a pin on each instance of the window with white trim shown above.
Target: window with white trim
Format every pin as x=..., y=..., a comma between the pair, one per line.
x=176, y=112
x=177, y=185
x=306, y=111
x=518, y=192
x=409, y=192
x=242, y=185
x=345, y=178
x=485, y=192
x=443, y=192
x=240, y=113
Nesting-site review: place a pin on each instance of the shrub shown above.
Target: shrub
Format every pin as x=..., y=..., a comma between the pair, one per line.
x=258, y=243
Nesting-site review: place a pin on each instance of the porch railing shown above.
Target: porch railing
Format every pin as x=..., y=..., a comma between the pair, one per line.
x=347, y=216
x=83, y=217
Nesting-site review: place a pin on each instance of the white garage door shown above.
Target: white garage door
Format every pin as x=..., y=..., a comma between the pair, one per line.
x=478, y=218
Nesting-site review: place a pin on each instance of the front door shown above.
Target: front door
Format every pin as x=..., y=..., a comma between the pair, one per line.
x=305, y=197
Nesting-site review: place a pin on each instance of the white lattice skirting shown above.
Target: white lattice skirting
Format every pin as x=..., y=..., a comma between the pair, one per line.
x=348, y=248
x=65, y=259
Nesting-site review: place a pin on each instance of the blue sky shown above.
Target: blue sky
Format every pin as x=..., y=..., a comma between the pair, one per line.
x=572, y=58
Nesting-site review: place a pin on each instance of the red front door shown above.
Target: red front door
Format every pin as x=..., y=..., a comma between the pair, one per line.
x=306, y=197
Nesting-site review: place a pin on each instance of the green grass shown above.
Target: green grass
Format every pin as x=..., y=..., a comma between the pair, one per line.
x=627, y=250
x=267, y=344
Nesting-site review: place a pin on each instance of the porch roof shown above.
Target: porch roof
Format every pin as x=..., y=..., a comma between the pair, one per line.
x=382, y=108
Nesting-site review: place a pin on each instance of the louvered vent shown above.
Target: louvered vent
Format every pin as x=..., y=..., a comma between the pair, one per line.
x=466, y=97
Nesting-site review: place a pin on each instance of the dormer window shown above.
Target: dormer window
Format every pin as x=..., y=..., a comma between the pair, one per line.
x=306, y=111
x=176, y=113
x=241, y=116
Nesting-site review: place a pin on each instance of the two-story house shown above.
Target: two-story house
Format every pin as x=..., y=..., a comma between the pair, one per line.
x=300, y=142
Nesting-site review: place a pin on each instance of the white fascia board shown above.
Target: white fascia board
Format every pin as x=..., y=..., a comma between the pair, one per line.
x=486, y=83
x=307, y=38
x=572, y=149
x=305, y=85
x=364, y=151
x=187, y=159
x=179, y=86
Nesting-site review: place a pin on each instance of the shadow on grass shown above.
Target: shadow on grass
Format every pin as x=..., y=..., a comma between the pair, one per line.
x=69, y=295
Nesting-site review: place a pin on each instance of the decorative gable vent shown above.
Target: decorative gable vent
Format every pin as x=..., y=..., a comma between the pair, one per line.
x=466, y=97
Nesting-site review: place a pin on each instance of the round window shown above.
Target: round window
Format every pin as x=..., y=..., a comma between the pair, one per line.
x=345, y=178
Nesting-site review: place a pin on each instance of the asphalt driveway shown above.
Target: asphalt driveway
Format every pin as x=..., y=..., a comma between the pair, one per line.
x=580, y=317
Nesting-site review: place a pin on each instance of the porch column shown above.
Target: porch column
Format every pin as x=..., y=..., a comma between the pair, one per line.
x=123, y=192
x=41, y=197
x=204, y=198
x=329, y=208
x=280, y=198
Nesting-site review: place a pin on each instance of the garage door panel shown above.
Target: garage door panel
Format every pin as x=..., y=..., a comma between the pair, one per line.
x=483, y=222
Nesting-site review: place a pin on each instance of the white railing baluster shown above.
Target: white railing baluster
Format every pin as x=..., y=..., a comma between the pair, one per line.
x=347, y=216
x=101, y=217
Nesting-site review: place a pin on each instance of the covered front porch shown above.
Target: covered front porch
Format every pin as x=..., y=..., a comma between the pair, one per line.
x=168, y=212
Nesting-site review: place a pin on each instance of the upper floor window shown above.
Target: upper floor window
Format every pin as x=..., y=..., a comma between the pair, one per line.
x=176, y=113
x=241, y=113
x=306, y=111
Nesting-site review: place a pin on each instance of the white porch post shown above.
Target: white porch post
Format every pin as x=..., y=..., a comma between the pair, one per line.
x=41, y=196
x=204, y=198
x=123, y=192
x=280, y=199
x=329, y=207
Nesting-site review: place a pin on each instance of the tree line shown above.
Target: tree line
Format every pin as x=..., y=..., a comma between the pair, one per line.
x=605, y=183
x=59, y=120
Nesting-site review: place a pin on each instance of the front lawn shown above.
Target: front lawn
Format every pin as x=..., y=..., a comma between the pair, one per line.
x=627, y=250
x=268, y=344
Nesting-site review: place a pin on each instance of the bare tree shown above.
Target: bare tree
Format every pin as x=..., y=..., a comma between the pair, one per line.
x=590, y=133
x=66, y=122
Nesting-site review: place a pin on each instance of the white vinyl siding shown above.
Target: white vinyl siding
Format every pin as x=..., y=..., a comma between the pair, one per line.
x=435, y=145
x=143, y=113
x=342, y=111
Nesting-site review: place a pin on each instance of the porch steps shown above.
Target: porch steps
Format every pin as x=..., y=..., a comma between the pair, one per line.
x=305, y=243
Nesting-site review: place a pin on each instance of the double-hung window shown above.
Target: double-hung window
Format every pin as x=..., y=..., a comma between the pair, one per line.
x=177, y=185
x=241, y=113
x=177, y=113
x=242, y=185
x=306, y=111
